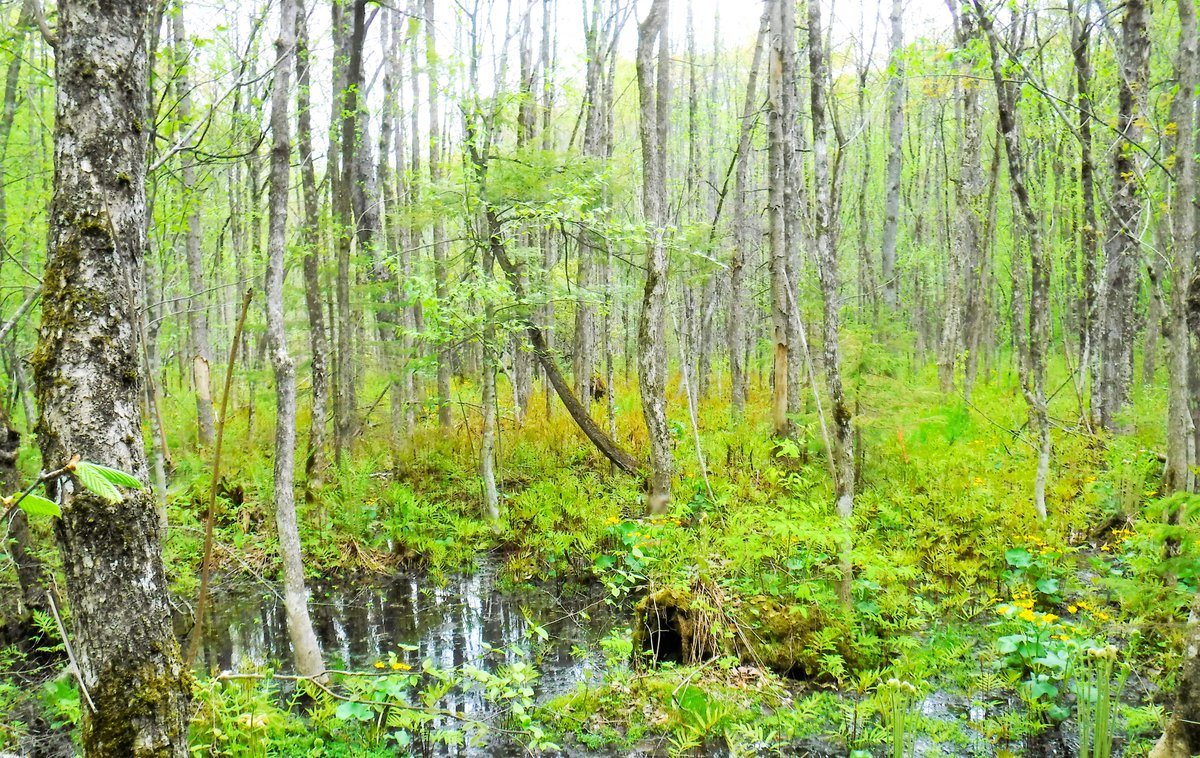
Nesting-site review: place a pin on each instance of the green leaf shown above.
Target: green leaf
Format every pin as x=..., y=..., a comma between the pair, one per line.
x=1048, y=586
x=36, y=505
x=116, y=476
x=347, y=711
x=1019, y=558
x=97, y=483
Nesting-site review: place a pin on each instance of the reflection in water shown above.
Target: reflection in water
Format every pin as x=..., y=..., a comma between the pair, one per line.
x=360, y=622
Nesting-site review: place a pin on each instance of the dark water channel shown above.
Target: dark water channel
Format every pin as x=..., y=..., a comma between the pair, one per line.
x=463, y=620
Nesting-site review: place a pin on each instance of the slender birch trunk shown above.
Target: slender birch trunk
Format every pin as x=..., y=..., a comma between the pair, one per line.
x=295, y=595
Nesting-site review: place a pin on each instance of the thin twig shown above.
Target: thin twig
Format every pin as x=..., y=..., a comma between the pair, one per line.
x=62, y=632
x=206, y=564
x=12, y=503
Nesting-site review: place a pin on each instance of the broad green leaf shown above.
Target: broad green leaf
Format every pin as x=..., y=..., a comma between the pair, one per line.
x=1048, y=586
x=95, y=482
x=116, y=476
x=347, y=711
x=1019, y=558
x=36, y=505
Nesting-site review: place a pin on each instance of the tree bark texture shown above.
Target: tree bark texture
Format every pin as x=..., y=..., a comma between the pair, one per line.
x=311, y=257
x=1122, y=248
x=824, y=213
x=199, y=344
x=891, y=213
x=654, y=97
x=86, y=367
x=295, y=595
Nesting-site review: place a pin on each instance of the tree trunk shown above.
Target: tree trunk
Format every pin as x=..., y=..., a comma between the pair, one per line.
x=744, y=237
x=1181, y=739
x=197, y=311
x=1180, y=453
x=12, y=78
x=345, y=406
x=891, y=213
x=782, y=35
x=87, y=373
x=963, y=273
x=1122, y=246
x=545, y=357
x=1089, y=234
x=825, y=215
x=295, y=595
x=439, y=231
x=487, y=445
x=311, y=261
x=654, y=97
x=1033, y=380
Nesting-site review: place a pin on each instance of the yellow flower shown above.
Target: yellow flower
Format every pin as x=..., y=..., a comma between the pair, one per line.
x=398, y=666
x=1105, y=548
x=1102, y=616
x=978, y=481
x=1049, y=618
x=1071, y=609
x=379, y=664
x=1026, y=615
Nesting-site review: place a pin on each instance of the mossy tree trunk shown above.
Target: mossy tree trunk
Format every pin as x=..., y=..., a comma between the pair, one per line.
x=87, y=372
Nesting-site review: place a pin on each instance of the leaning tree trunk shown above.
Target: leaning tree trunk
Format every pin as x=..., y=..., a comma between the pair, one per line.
x=88, y=383
x=545, y=356
x=295, y=595
x=654, y=96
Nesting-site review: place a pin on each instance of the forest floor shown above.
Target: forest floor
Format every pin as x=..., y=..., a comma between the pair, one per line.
x=969, y=633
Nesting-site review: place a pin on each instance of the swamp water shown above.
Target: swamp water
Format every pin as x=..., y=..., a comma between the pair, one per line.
x=465, y=620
